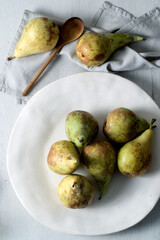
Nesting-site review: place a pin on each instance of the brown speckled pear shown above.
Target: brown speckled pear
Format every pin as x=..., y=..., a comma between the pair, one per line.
x=81, y=127
x=134, y=158
x=122, y=125
x=40, y=35
x=93, y=49
x=63, y=157
x=75, y=191
x=99, y=159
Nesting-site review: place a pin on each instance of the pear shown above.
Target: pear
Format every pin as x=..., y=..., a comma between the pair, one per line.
x=81, y=127
x=39, y=35
x=75, y=191
x=134, y=158
x=99, y=159
x=63, y=157
x=122, y=125
x=93, y=49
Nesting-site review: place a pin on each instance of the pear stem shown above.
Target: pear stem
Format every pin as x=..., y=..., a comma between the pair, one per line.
x=151, y=125
x=10, y=58
x=100, y=197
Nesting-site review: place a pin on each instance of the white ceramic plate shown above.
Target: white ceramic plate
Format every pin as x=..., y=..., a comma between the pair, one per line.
x=42, y=122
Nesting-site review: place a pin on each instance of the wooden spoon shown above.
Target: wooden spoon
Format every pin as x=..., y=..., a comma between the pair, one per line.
x=70, y=31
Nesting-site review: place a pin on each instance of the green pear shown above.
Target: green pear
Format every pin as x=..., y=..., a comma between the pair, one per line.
x=63, y=157
x=75, y=191
x=99, y=159
x=81, y=127
x=93, y=49
x=134, y=157
x=122, y=125
x=39, y=35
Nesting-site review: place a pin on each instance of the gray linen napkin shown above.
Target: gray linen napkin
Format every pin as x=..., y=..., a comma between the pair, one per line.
x=141, y=55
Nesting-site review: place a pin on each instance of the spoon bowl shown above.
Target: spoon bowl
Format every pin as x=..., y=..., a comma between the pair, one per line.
x=71, y=30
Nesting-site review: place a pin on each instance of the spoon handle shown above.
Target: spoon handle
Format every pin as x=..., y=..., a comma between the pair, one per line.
x=28, y=88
